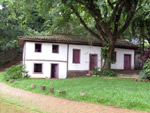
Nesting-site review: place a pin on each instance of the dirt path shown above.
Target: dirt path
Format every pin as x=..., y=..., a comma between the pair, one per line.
x=52, y=104
x=10, y=108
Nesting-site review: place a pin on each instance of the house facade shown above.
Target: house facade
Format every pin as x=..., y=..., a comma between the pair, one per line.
x=62, y=56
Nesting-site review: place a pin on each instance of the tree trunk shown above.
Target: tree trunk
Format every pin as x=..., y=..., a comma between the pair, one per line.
x=108, y=59
x=143, y=46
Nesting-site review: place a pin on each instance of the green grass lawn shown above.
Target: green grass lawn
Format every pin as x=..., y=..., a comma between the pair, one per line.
x=120, y=92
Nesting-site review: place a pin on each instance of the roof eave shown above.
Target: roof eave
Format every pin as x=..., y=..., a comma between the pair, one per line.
x=126, y=47
x=21, y=42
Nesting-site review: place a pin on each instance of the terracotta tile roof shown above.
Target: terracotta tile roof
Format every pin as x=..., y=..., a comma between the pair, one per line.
x=72, y=39
x=63, y=38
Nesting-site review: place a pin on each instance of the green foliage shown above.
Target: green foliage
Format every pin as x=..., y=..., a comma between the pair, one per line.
x=104, y=50
x=9, y=51
x=108, y=72
x=141, y=23
x=145, y=72
x=15, y=72
x=95, y=71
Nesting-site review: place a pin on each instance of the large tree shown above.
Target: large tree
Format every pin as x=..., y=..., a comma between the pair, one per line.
x=110, y=19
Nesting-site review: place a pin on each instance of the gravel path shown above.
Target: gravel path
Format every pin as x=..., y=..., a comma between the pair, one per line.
x=52, y=104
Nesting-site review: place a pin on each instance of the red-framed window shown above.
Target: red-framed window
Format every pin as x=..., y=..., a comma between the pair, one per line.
x=55, y=48
x=76, y=56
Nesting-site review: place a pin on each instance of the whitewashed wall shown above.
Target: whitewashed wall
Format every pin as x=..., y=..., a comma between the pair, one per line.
x=85, y=52
x=46, y=53
x=46, y=69
x=120, y=58
x=46, y=57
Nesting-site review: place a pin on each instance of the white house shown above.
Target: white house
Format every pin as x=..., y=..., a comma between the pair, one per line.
x=62, y=56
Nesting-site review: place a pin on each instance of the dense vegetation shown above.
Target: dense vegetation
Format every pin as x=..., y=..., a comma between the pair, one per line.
x=145, y=72
x=120, y=92
x=14, y=23
x=15, y=72
x=108, y=72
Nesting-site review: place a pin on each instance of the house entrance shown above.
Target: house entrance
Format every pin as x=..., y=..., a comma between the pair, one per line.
x=93, y=61
x=54, y=70
x=127, y=62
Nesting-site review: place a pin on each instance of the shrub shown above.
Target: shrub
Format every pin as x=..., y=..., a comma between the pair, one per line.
x=145, y=72
x=15, y=72
x=95, y=71
x=108, y=72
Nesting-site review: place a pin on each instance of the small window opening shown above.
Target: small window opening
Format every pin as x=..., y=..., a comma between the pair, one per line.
x=37, y=47
x=55, y=48
x=38, y=68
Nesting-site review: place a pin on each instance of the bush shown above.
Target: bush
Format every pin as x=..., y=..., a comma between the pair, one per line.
x=95, y=71
x=15, y=72
x=145, y=72
x=108, y=72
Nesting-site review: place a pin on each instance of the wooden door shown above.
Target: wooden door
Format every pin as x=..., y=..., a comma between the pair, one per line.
x=54, y=70
x=127, y=61
x=93, y=61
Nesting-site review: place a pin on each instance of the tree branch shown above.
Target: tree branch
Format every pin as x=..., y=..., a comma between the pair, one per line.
x=95, y=12
x=110, y=4
x=112, y=18
x=128, y=19
x=117, y=18
x=101, y=32
x=83, y=23
x=92, y=9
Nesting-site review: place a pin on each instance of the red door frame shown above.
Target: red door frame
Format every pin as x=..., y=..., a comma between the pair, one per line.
x=127, y=68
x=90, y=60
x=56, y=76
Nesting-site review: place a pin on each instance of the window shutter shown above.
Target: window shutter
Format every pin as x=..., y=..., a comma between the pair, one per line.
x=76, y=56
x=115, y=56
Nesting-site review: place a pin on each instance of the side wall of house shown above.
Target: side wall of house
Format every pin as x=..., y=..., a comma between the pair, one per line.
x=119, y=64
x=46, y=58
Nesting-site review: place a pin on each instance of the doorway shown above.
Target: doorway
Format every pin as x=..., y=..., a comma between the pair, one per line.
x=127, y=61
x=93, y=61
x=54, y=70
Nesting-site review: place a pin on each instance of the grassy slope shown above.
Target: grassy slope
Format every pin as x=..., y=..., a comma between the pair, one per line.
x=119, y=92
